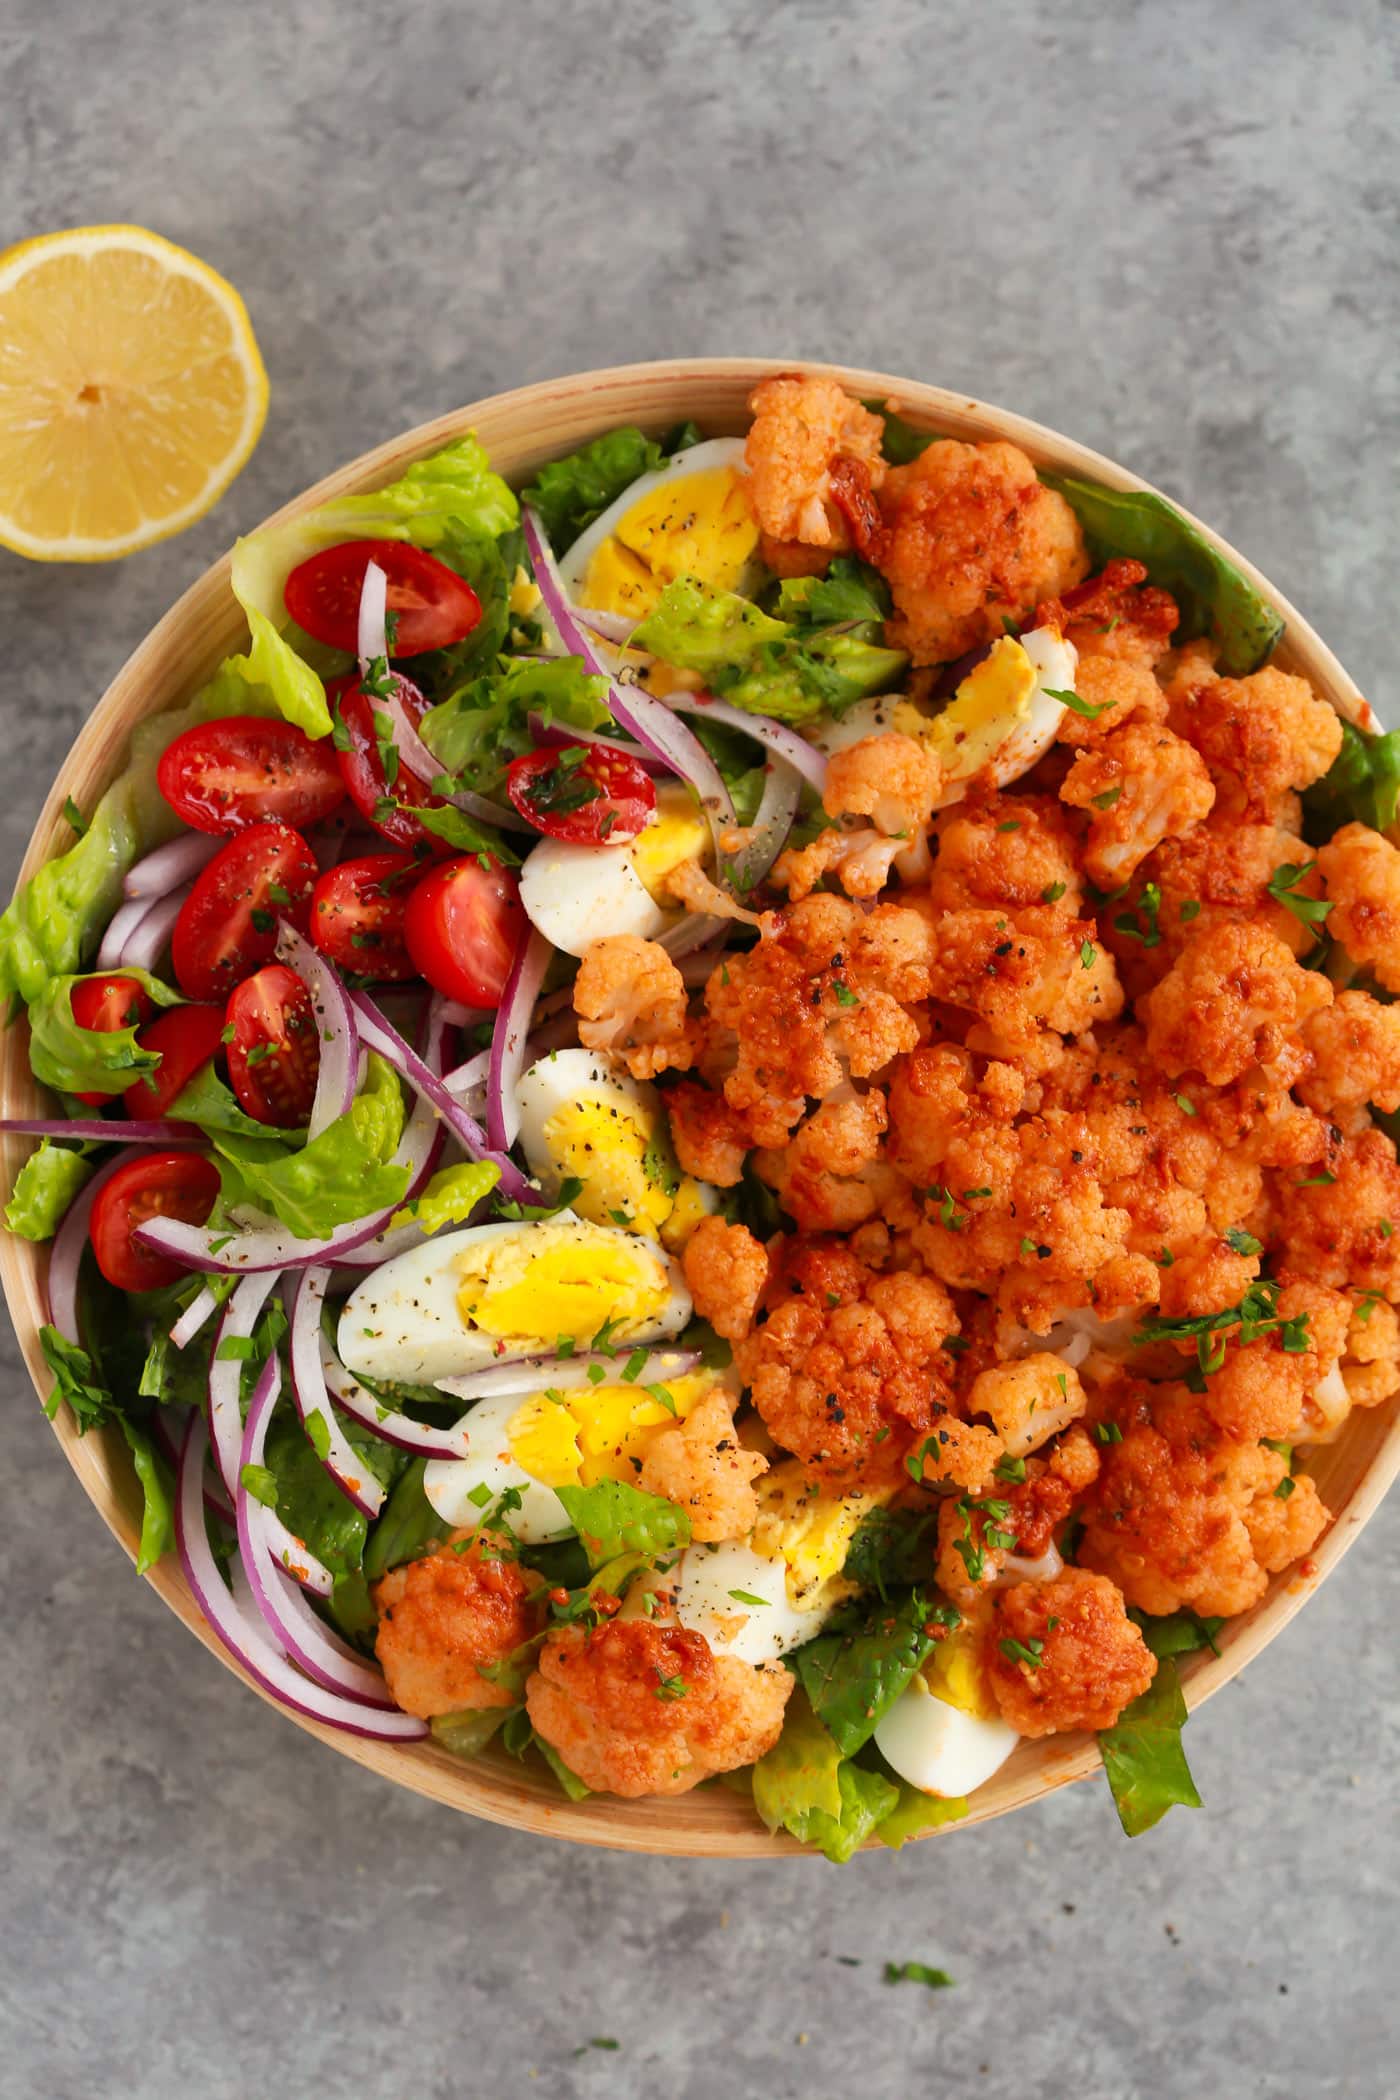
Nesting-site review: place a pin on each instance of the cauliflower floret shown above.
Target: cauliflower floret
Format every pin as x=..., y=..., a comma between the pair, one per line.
x=1261, y=1390
x=1140, y=785
x=1008, y=851
x=1262, y=737
x=1022, y=974
x=972, y=539
x=801, y=428
x=635, y=1708
x=1362, y=873
x=701, y=1466
x=1175, y=1511
x=1029, y=1514
x=1221, y=871
x=830, y=1176
x=1371, y=1371
x=1029, y=1399
x=890, y=778
x=861, y=859
x=631, y=1001
x=709, y=1137
x=725, y=1270
x=1064, y=1654
x=943, y=1117
x=1355, y=1044
x=441, y=1617
x=1118, y=687
x=1116, y=614
x=1235, y=997
x=1343, y=1227
x=847, y=1366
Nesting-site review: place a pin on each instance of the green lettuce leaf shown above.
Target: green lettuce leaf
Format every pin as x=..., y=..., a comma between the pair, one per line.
x=853, y=1679
x=1143, y=1755
x=741, y=763
x=613, y=1518
x=82, y=1380
x=571, y=1783
x=406, y=1526
x=76, y=1060
x=901, y=441
x=209, y=1103
x=1179, y=1633
x=465, y=833
x=1215, y=598
x=761, y=664
x=451, y=1196
x=77, y=1381
x=916, y=1813
x=339, y=1176
x=44, y=1187
x=570, y=493
x=891, y=1549
x=467, y=1734
x=805, y=1786
x=850, y=592
x=157, y=1487
x=481, y=727
x=1361, y=786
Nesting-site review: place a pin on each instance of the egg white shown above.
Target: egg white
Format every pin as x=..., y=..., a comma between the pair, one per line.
x=449, y=1483
x=701, y=1588
x=575, y=895
x=939, y=1748
x=700, y=459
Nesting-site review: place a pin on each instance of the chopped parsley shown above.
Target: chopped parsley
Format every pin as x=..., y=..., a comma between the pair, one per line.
x=1088, y=954
x=1031, y=1653
x=1283, y=885
x=1241, y=1242
x=1086, y=708
x=1052, y=893
x=672, y=1687
x=1109, y=796
x=75, y=816
x=1145, y=911
x=918, y=1972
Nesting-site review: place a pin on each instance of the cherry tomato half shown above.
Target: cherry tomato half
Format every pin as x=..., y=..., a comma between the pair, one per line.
x=228, y=924
x=245, y=769
x=463, y=926
x=433, y=604
x=388, y=807
x=186, y=1037
x=357, y=913
x=106, y=1004
x=158, y=1185
x=275, y=1051
x=578, y=792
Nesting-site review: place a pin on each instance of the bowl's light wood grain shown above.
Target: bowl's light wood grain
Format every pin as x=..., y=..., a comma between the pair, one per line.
x=520, y=429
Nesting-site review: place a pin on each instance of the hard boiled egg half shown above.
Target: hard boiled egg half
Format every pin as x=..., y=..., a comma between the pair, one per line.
x=1003, y=715
x=576, y=895
x=691, y=517
x=944, y=1733
x=581, y=1121
x=538, y=1442
x=491, y=1293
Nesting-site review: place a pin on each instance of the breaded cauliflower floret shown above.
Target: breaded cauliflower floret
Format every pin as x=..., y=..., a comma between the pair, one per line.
x=635, y=1708
x=1260, y=1390
x=890, y=778
x=1175, y=1513
x=1117, y=689
x=1030, y=1399
x=1362, y=873
x=1008, y=851
x=972, y=540
x=1140, y=785
x=631, y=1001
x=442, y=1616
x=801, y=428
x=1221, y=870
x=949, y=1125
x=1235, y=997
x=1355, y=1044
x=725, y=1271
x=1023, y=975
x=701, y=1466
x=1343, y=1227
x=847, y=1366
x=710, y=1138
x=1030, y=1513
x=1064, y=1654
x=1263, y=737
x=830, y=1176
x=1116, y=615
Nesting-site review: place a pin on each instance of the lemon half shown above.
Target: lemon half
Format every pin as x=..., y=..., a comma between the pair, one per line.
x=131, y=392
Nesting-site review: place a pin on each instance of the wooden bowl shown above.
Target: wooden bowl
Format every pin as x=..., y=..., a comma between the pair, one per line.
x=521, y=429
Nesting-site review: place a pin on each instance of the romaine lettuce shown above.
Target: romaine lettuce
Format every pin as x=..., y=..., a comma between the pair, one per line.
x=916, y=1812
x=805, y=1786
x=339, y=1176
x=613, y=1518
x=451, y=1196
x=44, y=1187
x=406, y=1526
x=1143, y=1756
x=76, y=1060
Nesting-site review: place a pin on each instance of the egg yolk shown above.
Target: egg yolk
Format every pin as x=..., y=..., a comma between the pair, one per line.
x=954, y=1674
x=991, y=701
x=812, y=1533
x=692, y=1201
x=594, y=1433
x=696, y=525
x=679, y=833
x=571, y=1286
x=614, y=1154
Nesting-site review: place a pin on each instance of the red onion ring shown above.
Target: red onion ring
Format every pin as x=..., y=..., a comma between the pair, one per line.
x=372, y=637
x=528, y=1374
x=120, y=927
x=216, y=1502
x=768, y=834
x=507, y=1060
x=239, y=1317
x=387, y=1422
x=159, y=1130
x=310, y=1398
x=143, y=949
x=244, y=1638
x=554, y=734
x=335, y=1027
x=200, y=1308
x=66, y=1253
x=179, y=860
x=783, y=742
x=377, y=1033
x=613, y=627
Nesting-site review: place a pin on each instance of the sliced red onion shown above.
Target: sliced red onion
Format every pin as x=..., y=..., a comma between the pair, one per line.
x=292, y=1555
x=143, y=949
x=372, y=639
x=159, y=1130
x=241, y=1312
x=239, y=1631
x=215, y=1500
x=465, y=1079
x=376, y=1032
x=387, y=1422
x=120, y=927
x=555, y=733
x=454, y=1015
x=340, y=1458
x=533, y=1373
x=696, y=930
x=414, y=754
x=527, y=974
x=783, y=742
x=335, y=1027
x=648, y=720
x=697, y=967
x=613, y=627
x=200, y=1308
x=66, y=1253
x=293, y=1626
x=768, y=834
x=179, y=860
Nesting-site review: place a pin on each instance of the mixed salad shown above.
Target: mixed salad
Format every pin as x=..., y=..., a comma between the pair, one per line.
x=713, y=1122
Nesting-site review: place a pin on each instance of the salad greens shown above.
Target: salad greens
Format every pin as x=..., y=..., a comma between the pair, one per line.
x=613, y=1518
x=407, y=1525
x=451, y=1196
x=805, y=1786
x=765, y=665
x=76, y=1060
x=1362, y=786
x=44, y=1187
x=1143, y=1755
x=570, y=493
x=1214, y=596
x=336, y=1178
x=478, y=729
x=852, y=1679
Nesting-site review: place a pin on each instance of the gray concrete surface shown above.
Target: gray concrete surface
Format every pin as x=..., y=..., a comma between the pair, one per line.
x=1169, y=230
